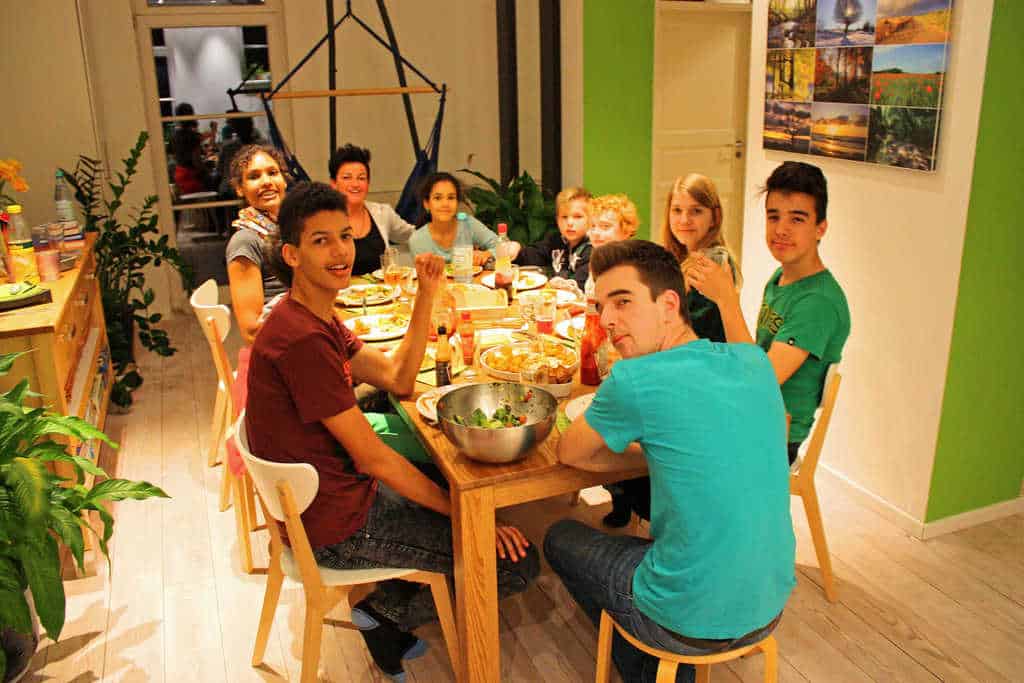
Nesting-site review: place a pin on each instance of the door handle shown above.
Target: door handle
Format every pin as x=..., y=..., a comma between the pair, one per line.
x=738, y=145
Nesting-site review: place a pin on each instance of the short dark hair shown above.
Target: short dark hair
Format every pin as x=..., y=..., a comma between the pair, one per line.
x=799, y=176
x=440, y=177
x=302, y=201
x=348, y=154
x=657, y=268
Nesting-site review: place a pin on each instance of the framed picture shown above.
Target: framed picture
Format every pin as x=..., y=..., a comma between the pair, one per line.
x=857, y=79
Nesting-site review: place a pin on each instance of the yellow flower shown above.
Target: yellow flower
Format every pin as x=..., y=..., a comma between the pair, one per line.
x=9, y=170
x=18, y=184
x=6, y=170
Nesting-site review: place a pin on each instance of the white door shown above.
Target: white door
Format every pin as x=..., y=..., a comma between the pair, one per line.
x=701, y=62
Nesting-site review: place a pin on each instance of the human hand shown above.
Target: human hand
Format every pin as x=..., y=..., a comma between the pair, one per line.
x=481, y=257
x=709, y=278
x=514, y=249
x=511, y=543
x=429, y=273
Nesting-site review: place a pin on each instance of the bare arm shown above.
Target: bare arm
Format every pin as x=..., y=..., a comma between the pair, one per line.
x=583, y=448
x=246, y=283
x=373, y=457
x=397, y=374
x=786, y=360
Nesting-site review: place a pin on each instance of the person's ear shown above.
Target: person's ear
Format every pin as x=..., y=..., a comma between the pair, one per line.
x=669, y=302
x=289, y=253
x=820, y=229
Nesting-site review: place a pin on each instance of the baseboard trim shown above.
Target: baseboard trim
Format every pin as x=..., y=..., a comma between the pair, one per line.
x=964, y=520
x=914, y=526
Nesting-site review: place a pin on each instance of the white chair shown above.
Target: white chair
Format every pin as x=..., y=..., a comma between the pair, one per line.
x=801, y=482
x=215, y=320
x=285, y=491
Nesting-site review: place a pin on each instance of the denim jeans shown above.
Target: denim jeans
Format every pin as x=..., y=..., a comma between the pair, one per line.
x=597, y=570
x=400, y=533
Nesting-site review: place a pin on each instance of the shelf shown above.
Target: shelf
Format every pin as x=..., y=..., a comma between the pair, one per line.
x=85, y=373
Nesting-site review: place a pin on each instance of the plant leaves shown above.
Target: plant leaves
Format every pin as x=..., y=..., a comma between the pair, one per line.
x=40, y=561
x=27, y=479
x=69, y=425
x=7, y=361
x=14, y=610
x=119, y=489
x=68, y=527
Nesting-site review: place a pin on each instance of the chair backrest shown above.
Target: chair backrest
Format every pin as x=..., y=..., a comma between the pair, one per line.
x=828, y=402
x=301, y=478
x=215, y=319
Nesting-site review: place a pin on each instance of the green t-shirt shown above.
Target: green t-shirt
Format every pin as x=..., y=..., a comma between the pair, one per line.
x=711, y=422
x=810, y=314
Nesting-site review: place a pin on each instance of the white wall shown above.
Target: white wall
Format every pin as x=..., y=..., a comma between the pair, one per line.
x=894, y=243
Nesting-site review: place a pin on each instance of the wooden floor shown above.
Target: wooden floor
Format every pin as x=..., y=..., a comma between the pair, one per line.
x=173, y=604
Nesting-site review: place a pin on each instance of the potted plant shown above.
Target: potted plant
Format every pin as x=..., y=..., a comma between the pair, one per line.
x=522, y=205
x=39, y=510
x=123, y=250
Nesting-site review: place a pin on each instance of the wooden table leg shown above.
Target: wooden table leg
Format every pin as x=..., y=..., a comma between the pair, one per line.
x=476, y=585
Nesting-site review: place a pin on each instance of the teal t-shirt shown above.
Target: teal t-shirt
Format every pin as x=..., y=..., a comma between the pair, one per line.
x=483, y=240
x=812, y=315
x=711, y=422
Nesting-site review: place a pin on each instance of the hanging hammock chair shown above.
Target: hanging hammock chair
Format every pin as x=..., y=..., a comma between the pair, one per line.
x=408, y=205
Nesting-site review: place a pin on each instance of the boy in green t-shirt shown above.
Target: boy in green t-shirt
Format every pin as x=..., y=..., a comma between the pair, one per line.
x=804, y=320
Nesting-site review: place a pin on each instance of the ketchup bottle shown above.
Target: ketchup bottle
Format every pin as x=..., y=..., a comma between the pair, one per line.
x=593, y=337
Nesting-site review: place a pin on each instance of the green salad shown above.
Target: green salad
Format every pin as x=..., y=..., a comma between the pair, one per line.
x=502, y=417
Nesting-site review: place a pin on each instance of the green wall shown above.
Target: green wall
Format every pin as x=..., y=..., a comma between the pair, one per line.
x=618, y=72
x=979, y=459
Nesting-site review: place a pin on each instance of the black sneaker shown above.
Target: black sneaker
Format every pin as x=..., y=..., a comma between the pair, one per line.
x=620, y=515
x=389, y=645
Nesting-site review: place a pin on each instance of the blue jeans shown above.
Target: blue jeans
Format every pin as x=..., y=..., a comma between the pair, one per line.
x=400, y=533
x=597, y=570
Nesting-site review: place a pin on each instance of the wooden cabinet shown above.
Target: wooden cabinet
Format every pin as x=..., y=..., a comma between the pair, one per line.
x=68, y=357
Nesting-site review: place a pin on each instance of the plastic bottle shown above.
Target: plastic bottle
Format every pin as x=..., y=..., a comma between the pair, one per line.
x=590, y=346
x=22, y=255
x=467, y=337
x=443, y=358
x=63, y=198
x=462, y=250
x=443, y=310
x=503, y=275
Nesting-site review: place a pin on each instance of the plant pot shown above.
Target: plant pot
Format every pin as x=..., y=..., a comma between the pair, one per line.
x=20, y=647
x=121, y=335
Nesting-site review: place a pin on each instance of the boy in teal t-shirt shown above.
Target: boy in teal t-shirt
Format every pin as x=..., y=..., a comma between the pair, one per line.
x=804, y=319
x=708, y=420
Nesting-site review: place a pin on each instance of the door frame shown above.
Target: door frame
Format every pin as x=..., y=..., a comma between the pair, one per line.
x=199, y=17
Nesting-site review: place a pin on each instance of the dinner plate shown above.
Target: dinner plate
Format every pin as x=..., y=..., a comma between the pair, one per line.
x=578, y=406
x=375, y=294
x=378, y=327
x=379, y=274
x=426, y=404
x=449, y=270
x=527, y=280
x=566, y=298
x=570, y=328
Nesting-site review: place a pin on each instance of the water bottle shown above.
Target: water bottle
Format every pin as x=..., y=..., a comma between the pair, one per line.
x=63, y=198
x=503, y=274
x=22, y=253
x=462, y=251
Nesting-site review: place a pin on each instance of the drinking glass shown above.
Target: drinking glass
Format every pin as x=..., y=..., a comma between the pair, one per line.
x=546, y=310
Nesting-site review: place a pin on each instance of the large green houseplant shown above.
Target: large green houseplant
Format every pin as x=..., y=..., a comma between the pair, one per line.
x=124, y=248
x=522, y=205
x=39, y=510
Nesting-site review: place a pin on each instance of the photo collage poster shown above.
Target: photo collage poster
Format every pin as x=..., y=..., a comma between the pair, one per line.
x=857, y=79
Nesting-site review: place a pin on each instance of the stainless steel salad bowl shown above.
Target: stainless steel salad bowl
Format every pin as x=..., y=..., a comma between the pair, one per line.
x=504, y=444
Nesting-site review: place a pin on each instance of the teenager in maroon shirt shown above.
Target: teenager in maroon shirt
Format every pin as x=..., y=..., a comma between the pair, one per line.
x=373, y=508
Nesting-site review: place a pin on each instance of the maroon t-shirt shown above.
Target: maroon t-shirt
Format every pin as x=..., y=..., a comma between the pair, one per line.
x=299, y=374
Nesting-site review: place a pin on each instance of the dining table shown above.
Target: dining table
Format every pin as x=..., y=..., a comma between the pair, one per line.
x=478, y=490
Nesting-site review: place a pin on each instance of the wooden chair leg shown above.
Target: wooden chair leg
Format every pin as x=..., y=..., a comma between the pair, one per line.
x=219, y=424
x=249, y=496
x=242, y=525
x=275, y=577
x=810, y=498
x=311, y=634
x=604, y=649
x=443, y=603
x=703, y=673
x=770, y=647
x=225, y=488
x=667, y=672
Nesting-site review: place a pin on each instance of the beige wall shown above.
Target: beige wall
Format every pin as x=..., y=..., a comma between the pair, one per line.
x=45, y=118
x=895, y=240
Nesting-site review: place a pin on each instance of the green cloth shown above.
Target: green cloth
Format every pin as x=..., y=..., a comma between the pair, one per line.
x=812, y=315
x=393, y=431
x=711, y=423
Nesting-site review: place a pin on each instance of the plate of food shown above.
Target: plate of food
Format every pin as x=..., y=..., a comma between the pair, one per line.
x=449, y=270
x=528, y=279
x=378, y=327
x=375, y=294
x=426, y=404
x=507, y=360
x=578, y=406
x=566, y=298
x=570, y=328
